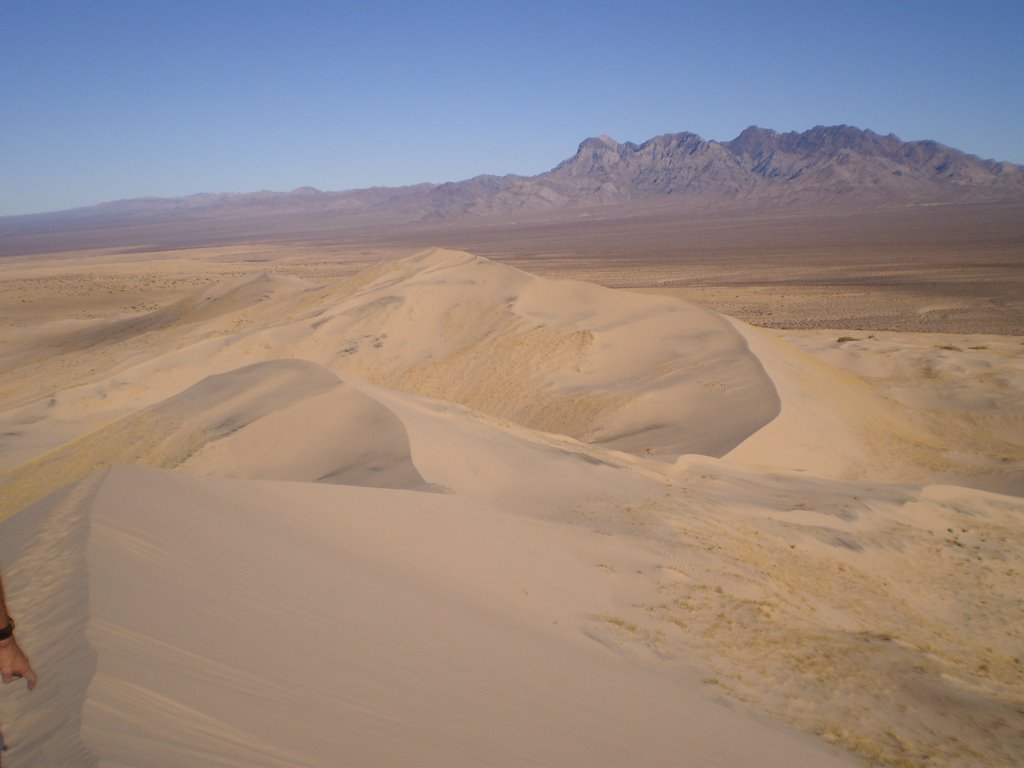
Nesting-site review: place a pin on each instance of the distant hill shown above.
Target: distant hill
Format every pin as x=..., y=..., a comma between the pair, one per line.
x=839, y=165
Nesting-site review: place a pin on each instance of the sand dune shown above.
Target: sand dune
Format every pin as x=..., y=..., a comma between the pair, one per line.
x=636, y=373
x=650, y=376
x=629, y=372
x=447, y=513
x=336, y=436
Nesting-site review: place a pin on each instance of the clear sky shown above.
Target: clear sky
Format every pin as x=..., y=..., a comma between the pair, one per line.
x=109, y=99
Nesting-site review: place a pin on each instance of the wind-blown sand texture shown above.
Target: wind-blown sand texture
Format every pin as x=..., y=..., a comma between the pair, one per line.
x=443, y=512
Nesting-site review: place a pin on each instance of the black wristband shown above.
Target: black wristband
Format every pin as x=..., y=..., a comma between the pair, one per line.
x=7, y=632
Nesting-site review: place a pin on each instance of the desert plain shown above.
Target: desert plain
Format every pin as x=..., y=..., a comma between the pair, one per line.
x=378, y=503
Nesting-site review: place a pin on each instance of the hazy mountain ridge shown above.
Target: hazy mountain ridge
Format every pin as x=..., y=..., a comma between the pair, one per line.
x=824, y=164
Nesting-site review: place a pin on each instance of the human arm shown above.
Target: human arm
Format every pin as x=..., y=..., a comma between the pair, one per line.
x=13, y=661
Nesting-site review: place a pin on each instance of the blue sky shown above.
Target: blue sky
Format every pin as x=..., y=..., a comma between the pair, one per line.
x=110, y=99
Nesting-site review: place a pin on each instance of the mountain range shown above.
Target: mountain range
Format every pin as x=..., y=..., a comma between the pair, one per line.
x=838, y=162
x=835, y=164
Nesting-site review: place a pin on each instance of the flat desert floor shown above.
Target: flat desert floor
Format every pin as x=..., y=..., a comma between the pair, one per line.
x=314, y=505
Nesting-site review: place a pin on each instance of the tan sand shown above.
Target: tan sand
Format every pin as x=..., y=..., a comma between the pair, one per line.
x=443, y=512
x=894, y=406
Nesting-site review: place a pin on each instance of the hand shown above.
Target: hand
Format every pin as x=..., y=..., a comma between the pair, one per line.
x=14, y=664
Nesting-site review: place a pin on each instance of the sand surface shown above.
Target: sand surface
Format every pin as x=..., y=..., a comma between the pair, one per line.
x=439, y=511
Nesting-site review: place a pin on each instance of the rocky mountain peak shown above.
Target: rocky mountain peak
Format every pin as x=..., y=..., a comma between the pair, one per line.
x=595, y=155
x=753, y=141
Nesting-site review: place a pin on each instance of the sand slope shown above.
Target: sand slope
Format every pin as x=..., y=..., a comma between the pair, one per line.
x=447, y=513
x=392, y=628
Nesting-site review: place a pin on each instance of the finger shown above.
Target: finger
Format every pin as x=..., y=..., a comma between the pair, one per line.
x=31, y=677
x=8, y=677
